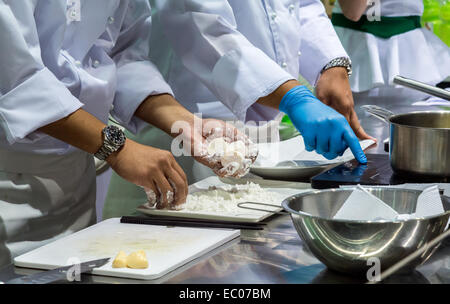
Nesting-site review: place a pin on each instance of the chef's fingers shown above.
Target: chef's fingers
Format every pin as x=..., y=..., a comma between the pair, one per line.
x=212, y=129
x=237, y=173
x=330, y=155
x=230, y=132
x=361, y=134
x=353, y=142
x=309, y=138
x=180, y=189
x=242, y=171
x=152, y=194
x=180, y=171
x=337, y=143
x=357, y=128
x=166, y=192
x=323, y=143
x=220, y=171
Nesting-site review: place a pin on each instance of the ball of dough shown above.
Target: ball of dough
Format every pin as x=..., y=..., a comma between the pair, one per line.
x=232, y=157
x=217, y=146
x=238, y=146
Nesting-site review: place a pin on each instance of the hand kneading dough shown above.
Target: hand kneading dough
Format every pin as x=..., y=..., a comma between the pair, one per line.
x=120, y=261
x=237, y=146
x=217, y=146
x=232, y=155
x=137, y=260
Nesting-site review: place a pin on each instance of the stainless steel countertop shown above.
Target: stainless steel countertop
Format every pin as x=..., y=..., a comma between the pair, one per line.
x=273, y=255
x=276, y=254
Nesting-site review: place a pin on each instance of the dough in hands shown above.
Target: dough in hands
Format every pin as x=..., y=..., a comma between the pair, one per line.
x=237, y=146
x=217, y=146
x=232, y=161
x=230, y=155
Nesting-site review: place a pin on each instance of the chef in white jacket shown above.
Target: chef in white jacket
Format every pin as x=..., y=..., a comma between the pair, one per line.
x=65, y=65
x=240, y=60
x=386, y=39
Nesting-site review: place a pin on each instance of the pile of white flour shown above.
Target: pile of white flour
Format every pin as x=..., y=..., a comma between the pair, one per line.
x=226, y=198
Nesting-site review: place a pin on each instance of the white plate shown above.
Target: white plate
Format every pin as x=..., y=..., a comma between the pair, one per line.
x=290, y=173
x=271, y=154
x=244, y=216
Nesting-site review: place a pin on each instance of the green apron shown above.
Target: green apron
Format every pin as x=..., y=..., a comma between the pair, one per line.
x=385, y=28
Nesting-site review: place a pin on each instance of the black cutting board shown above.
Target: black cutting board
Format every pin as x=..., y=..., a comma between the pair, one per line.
x=377, y=171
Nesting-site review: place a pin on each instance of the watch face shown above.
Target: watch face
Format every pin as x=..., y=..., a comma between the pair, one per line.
x=115, y=135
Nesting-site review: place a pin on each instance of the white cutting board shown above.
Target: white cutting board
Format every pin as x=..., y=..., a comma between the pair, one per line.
x=285, y=189
x=166, y=248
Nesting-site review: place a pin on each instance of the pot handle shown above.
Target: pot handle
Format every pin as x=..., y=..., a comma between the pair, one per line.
x=240, y=205
x=422, y=87
x=378, y=112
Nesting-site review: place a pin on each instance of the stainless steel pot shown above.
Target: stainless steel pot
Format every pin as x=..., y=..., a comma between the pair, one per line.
x=419, y=141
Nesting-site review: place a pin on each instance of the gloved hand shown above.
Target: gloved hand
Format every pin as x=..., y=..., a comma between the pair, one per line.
x=323, y=129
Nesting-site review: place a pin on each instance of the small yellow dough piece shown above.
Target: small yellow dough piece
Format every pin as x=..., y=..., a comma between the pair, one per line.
x=137, y=260
x=120, y=261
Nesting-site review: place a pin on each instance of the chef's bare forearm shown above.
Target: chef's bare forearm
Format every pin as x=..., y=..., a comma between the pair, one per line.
x=273, y=100
x=79, y=129
x=162, y=111
x=353, y=9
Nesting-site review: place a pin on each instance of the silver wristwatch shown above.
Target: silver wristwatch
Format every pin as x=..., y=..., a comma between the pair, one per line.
x=339, y=62
x=113, y=139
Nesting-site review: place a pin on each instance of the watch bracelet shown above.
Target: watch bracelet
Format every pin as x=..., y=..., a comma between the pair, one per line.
x=344, y=62
x=105, y=150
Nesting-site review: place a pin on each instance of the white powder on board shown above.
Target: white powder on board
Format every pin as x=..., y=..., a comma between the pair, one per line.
x=226, y=198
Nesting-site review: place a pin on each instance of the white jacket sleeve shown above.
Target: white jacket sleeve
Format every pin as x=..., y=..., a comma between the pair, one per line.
x=320, y=43
x=137, y=77
x=30, y=95
x=204, y=35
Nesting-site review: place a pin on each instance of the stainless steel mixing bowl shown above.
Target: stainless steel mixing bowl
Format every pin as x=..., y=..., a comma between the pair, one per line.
x=346, y=246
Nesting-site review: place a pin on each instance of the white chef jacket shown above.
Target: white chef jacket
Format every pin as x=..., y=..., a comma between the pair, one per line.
x=219, y=53
x=61, y=55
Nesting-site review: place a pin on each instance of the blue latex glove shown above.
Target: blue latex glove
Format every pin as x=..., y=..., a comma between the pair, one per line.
x=323, y=129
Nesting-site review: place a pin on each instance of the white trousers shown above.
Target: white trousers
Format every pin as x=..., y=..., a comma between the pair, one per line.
x=42, y=198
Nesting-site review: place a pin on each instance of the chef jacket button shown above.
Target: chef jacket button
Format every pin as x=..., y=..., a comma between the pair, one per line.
x=78, y=63
x=111, y=107
x=96, y=63
x=110, y=20
x=284, y=65
x=274, y=16
x=299, y=53
x=291, y=8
